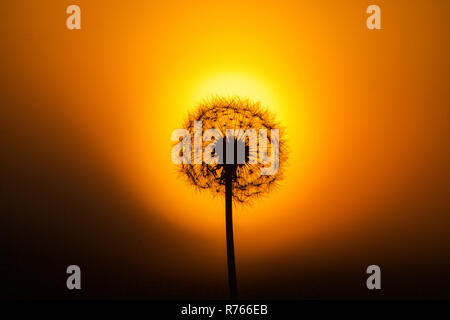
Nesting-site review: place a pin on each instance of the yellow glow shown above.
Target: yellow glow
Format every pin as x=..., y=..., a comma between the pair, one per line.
x=230, y=84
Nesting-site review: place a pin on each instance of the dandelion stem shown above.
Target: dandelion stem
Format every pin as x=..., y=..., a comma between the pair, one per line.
x=229, y=230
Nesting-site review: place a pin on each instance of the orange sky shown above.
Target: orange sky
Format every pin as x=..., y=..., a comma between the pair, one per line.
x=366, y=112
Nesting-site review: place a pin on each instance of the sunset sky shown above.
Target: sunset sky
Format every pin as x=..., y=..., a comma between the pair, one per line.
x=87, y=116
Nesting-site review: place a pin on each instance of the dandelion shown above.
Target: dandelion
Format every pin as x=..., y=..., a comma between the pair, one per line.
x=239, y=176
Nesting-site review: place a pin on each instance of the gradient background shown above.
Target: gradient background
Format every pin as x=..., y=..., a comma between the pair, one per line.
x=86, y=119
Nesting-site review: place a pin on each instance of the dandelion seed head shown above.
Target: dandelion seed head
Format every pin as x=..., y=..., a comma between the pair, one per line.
x=234, y=113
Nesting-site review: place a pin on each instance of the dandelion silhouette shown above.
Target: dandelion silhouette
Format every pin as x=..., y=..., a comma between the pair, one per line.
x=237, y=176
